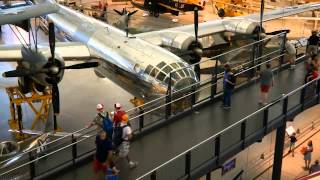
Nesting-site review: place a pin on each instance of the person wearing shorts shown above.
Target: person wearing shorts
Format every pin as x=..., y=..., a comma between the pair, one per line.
x=103, y=154
x=124, y=147
x=266, y=81
x=293, y=141
x=313, y=43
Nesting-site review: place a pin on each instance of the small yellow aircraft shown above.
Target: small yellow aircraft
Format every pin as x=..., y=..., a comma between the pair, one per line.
x=157, y=7
x=232, y=8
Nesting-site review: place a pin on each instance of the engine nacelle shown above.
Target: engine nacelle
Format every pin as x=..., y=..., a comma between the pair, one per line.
x=241, y=26
x=178, y=40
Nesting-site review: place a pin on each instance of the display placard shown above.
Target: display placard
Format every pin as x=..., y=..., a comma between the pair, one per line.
x=228, y=166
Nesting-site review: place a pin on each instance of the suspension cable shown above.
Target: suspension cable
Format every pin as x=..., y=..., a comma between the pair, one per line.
x=24, y=45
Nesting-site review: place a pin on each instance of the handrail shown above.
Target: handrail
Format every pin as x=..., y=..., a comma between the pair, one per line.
x=48, y=154
x=220, y=55
x=303, y=131
x=43, y=145
x=229, y=127
x=198, y=90
x=194, y=92
x=231, y=51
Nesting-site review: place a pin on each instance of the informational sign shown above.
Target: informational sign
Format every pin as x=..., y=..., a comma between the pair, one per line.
x=228, y=166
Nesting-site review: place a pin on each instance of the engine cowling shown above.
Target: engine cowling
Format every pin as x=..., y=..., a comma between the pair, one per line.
x=178, y=40
x=242, y=26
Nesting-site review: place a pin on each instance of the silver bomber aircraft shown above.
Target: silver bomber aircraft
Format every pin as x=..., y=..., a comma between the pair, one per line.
x=138, y=63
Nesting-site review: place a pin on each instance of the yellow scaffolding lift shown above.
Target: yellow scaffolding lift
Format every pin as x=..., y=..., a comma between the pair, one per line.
x=17, y=98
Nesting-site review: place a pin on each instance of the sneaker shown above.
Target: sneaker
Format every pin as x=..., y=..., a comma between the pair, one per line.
x=226, y=107
x=133, y=164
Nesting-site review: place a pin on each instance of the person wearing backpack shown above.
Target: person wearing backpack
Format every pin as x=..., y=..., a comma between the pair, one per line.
x=121, y=140
x=103, y=121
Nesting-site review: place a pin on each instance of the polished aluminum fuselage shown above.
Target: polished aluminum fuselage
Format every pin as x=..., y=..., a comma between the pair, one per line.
x=124, y=59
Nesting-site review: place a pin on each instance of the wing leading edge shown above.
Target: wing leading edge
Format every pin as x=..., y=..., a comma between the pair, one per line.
x=67, y=50
x=16, y=14
x=217, y=26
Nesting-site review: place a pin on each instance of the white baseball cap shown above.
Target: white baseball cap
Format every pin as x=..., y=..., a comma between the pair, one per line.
x=100, y=106
x=117, y=105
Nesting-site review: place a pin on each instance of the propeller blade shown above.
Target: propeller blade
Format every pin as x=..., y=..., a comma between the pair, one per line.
x=52, y=39
x=118, y=12
x=55, y=98
x=216, y=7
x=196, y=23
x=16, y=73
x=82, y=65
x=132, y=13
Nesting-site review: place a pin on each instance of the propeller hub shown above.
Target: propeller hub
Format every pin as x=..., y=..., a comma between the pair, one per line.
x=54, y=70
x=198, y=51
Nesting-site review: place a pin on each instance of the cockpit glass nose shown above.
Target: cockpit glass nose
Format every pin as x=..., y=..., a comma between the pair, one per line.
x=162, y=72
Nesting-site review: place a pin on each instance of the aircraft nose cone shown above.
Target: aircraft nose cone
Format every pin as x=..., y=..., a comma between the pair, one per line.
x=184, y=85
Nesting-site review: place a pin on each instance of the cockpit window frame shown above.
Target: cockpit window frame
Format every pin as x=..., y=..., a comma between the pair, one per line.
x=161, y=65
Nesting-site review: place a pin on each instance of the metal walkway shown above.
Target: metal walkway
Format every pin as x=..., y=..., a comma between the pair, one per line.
x=183, y=131
x=167, y=142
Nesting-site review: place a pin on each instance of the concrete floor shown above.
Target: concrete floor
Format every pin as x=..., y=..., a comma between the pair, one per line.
x=193, y=129
x=82, y=90
x=250, y=160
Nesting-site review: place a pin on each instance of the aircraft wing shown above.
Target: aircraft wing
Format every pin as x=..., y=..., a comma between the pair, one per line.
x=16, y=14
x=234, y=24
x=67, y=50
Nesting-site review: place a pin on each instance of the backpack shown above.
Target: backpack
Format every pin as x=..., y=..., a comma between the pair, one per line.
x=117, y=136
x=110, y=175
x=303, y=150
x=107, y=125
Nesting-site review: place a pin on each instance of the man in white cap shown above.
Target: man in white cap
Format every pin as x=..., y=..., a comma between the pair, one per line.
x=102, y=120
x=118, y=113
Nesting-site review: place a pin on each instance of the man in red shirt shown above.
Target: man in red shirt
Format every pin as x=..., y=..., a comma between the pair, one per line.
x=118, y=113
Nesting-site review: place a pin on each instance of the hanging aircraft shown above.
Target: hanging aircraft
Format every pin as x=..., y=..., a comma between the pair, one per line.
x=141, y=63
x=39, y=67
x=157, y=7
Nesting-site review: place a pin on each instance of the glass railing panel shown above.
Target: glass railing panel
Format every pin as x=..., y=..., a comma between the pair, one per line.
x=54, y=161
x=254, y=123
x=294, y=100
x=275, y=111
x=230, y=137
x=173, y=170
x=202, y=154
